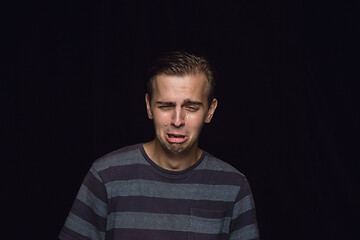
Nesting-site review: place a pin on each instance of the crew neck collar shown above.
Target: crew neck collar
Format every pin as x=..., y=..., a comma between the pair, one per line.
x=171, y=173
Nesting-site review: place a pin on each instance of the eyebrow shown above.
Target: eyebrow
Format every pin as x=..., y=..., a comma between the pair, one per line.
x=190, y=102
x=164, y=103
x=185, y=102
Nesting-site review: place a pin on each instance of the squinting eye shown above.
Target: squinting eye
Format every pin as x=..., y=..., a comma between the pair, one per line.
x=164, y=107
x=193, y=109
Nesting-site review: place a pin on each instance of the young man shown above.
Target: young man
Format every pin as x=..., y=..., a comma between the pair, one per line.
x=167, y=188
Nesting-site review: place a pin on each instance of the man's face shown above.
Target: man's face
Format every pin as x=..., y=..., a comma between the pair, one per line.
x=179, y=107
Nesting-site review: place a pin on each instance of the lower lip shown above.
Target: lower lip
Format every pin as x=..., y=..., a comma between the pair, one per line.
x=176, y=140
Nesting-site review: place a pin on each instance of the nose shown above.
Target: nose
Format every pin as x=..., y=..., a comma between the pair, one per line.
x=178, y=118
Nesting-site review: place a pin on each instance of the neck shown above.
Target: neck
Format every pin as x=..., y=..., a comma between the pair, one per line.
x=169, y=161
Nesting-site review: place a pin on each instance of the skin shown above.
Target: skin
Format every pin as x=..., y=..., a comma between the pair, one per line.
x=179, y=107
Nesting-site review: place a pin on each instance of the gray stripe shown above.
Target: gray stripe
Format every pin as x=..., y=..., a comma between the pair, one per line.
x=95, y=174
x=149, y=188
x=212, y=163
x=153, y=221
x=120, y=159
x=242, y=206
x=169, y=222
x=209, y=225
x=248, y=232
x=87, y=197
x=84, y=228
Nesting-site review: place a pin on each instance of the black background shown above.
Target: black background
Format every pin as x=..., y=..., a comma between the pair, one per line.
x=72, y=90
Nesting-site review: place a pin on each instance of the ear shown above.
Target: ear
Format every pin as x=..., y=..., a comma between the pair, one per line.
x=148, y=106
x=211, y=111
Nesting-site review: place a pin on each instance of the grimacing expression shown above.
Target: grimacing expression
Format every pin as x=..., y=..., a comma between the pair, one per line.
x=179, y=107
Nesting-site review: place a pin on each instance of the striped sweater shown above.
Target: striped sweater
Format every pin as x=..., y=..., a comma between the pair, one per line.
x=125, y=195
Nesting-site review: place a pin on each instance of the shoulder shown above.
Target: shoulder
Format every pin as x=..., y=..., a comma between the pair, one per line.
x=221, y=169
x=211, y=162
x=128, y=155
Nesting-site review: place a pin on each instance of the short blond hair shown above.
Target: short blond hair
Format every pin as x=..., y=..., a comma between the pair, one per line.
x=180, y=64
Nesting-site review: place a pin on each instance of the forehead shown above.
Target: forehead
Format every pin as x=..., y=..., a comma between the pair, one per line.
x=191, y=86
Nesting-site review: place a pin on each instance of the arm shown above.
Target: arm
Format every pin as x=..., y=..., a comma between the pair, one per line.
x=243, y=223
x=87, y=218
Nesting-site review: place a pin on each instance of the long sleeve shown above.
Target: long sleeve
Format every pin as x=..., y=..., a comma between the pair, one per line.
x=243, y=223
x=87, y=218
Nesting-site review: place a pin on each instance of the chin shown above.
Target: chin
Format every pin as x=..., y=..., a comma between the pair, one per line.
x=176, y=149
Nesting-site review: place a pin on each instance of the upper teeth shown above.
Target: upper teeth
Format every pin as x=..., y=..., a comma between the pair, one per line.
x=177, y=136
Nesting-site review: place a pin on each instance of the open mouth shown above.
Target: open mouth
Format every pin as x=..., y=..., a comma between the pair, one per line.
x=175, y=135
x=176, y=138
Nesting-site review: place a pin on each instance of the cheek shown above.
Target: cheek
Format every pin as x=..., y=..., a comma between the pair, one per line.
x=195, y=121
x=162, y=118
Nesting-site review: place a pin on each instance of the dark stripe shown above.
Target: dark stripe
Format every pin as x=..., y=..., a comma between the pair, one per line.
x=146, y=172
x=165, y=205
x=168, y=222
x=244, y=219
x=246, y=233
x=142, y=234
x=172, y=191
x=86, y=213
x=205, y=213
x=93, y=183
x=68, y=234
x=203, y=236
